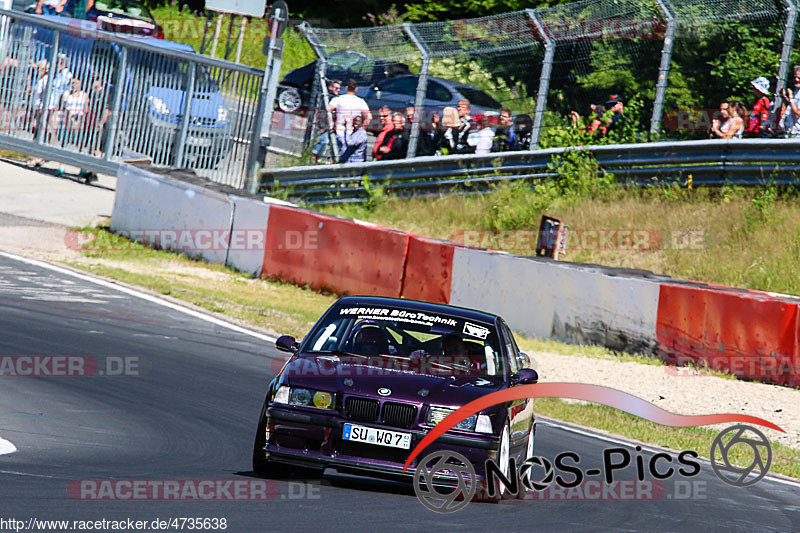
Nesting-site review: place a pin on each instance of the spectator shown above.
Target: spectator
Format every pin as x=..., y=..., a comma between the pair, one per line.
x=595, y=120
x=462, y=145
x=395, y=142
x=425, y=139
x=50, y=7
x=523, y=131
x=790, y=117
x=62, y=82
x=347, y=107
x=448, y=135
x=8, y=73
x=323, y=141
x=355, y=144
x=729, y=123
x=737, y=110
x=96, y=124
x=409, y=116
x=758, y=125
x=38, y=116
x=428, y=136
x=485, y=137
x=504, y=136
x=386, y=127
x=73, y=106
x=616, y=106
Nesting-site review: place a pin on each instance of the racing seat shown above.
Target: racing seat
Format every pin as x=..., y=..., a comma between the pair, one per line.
x=371, y=340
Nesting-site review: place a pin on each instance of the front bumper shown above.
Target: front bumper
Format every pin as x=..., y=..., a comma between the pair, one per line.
x=202, y=142
x=315, y=440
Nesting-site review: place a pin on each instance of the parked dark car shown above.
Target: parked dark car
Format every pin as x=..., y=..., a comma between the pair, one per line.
x=373, y=377
x=294, y=91
x=400, y=91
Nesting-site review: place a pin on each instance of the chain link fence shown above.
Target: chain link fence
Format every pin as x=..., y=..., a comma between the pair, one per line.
x=561, y=70
x=71, y=93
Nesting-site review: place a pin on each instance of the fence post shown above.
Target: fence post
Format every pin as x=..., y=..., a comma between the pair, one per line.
x=119, y=80
x=786, y=52
x=544, y=78
x=180, y=142
x=663, y=68
x=322, y=66
x=48, y=92
x=262, y=121
x=422, y=87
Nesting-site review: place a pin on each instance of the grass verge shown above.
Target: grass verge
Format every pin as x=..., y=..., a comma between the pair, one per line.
x=183, y=27
x=742, y=237
x=289, y=309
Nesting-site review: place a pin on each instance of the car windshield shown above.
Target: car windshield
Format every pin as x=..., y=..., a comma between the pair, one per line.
x=410, y=336
x=169, y=72
x=478, y=97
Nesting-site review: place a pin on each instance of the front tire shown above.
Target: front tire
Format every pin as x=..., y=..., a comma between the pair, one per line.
x=261, y=465
x=289, y=100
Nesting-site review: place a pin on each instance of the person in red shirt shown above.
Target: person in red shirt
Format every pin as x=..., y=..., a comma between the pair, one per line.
x=386, y=127
x=758, y=124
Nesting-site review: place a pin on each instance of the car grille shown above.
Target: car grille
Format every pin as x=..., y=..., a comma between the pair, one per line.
x=362, y=409
x=398, y=414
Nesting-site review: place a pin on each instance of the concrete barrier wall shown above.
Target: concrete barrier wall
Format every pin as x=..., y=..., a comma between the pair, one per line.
x=172, y=215
x=546, y=299
x=248, y=235
x=331, y=253
x=746, y=333
x=749, y=333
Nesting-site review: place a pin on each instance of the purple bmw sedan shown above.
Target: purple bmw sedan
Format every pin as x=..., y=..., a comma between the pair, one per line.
x=373, y=377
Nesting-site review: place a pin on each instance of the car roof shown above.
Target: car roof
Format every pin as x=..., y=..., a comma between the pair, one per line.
x=461, y=312
x=160, y=43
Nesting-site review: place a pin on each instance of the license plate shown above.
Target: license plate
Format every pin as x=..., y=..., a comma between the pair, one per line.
x=197, y=141
x=381, y=437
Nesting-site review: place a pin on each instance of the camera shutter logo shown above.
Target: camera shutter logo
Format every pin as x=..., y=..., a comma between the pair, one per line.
x=445, y=464
x=737, y=475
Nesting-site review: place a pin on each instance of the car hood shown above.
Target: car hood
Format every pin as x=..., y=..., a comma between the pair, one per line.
x=362, y=377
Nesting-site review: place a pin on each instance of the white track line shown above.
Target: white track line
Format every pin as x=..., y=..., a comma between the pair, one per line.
x=139, y=294
x=580, y=430
x=6, y=447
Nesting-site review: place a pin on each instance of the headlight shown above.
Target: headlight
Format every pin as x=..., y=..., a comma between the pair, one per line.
x=222, y=114
x=437, y=414
x=158, y=105
x=304, y=397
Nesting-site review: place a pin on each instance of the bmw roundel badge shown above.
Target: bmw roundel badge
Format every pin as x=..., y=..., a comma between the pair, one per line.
x=383, y=391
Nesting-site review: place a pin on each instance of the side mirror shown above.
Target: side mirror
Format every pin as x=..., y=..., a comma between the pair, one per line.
x=526, y=360
x=286, y=343
x=527, y=376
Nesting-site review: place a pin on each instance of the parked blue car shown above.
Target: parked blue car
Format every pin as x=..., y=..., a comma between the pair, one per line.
x=153, y=95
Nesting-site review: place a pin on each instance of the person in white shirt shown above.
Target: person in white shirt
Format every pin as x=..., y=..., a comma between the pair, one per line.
x=346, y=107
x=790, y=119
x=485, y=137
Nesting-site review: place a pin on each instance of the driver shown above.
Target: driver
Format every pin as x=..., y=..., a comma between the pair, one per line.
x=453, y=345
x=371, y=340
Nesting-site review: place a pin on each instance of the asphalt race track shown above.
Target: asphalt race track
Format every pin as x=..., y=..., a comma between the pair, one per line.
x=186, y=406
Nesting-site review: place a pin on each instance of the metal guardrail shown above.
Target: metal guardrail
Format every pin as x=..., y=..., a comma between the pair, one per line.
x=75, y=94
x=708, y=162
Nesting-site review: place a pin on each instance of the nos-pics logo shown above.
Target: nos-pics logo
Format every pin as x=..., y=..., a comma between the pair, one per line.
x=446, y=481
